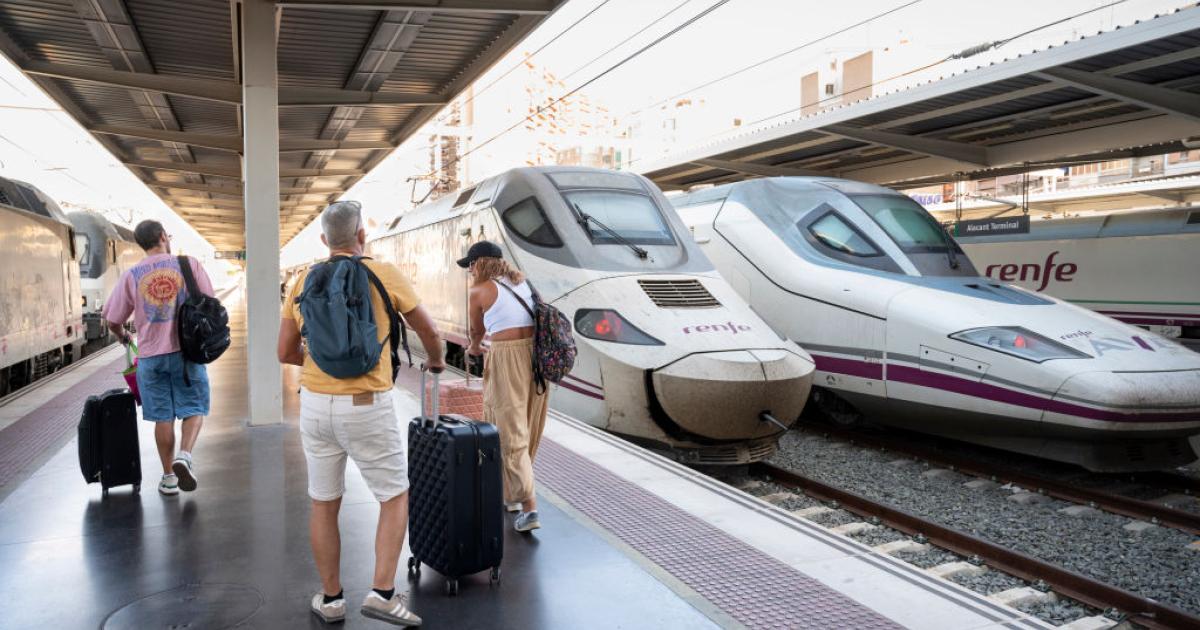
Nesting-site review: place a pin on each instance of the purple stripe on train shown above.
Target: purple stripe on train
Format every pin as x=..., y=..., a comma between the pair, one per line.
x=937, y=380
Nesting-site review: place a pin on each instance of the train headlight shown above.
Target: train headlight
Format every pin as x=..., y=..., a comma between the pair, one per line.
x=608, y=325
x=1019, y=342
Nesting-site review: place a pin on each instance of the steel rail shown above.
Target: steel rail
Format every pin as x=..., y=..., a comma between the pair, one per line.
x=1141, y=610
x=1117, y=504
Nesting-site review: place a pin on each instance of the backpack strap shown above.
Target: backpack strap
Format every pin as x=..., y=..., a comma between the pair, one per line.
x=537, y=366
x=189, y=281
x=395, y=322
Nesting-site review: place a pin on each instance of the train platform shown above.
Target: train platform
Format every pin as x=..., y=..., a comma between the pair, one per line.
x=629, y=539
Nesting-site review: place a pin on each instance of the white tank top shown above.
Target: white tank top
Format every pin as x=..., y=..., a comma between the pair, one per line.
x=506, y=312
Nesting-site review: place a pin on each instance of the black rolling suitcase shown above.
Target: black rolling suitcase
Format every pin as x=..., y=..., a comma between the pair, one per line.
x=456, y=501
x=108, y=441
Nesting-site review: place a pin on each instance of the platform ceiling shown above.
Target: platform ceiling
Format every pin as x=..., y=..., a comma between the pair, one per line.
x=1131, y=91
x=157, y=82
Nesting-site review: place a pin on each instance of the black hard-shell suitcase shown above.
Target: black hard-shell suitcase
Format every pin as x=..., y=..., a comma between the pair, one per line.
x=456, y=501
x=108, y=441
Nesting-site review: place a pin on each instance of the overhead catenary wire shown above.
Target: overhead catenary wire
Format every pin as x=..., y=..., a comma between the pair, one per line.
x=573, y=91
x=626, y=40
x=967, y=52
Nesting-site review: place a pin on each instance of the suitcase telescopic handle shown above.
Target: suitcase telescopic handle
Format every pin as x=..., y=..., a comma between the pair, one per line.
x=436, y=417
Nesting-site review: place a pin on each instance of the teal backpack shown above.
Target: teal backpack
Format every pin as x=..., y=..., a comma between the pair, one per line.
x=339, y=323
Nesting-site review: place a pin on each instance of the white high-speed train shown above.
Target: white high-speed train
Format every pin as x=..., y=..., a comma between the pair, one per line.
x=41, y=319
x=105, y=251
x=669, y=355
x=903, y=328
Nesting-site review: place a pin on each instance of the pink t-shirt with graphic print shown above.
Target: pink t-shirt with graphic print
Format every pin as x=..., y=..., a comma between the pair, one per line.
x=152, y=291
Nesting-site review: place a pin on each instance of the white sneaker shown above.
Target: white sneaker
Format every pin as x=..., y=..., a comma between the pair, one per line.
x=332, y=612
x=183, y=470
x=394, y=610
x=168, y=485
x=527, y=522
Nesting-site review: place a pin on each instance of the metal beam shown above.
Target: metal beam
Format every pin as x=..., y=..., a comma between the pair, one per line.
x=516, y=7
x=933, y=147
x=207, y=89
x=234, y=191
x=216, y=170
x=1175, y=102
x=208, y=141
x=764, y=170
x=328, y=97
x=295, y=145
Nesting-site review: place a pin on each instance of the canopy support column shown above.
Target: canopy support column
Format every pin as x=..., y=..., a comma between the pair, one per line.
x=260, y=174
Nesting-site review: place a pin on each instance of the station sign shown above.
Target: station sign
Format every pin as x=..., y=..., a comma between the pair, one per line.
x=992, y=227
x=231, y=254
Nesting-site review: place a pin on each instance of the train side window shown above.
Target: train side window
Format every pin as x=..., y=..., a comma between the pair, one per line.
x=527, y=219
x=112, y=245
x=71, y=239
x=835, y=233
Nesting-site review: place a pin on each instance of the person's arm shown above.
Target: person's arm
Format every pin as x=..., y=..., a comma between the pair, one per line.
x=289, y=350
x=118, y=307
x=419, y=320
x=475, y=328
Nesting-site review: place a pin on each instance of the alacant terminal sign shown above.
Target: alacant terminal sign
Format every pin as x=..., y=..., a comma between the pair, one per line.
x=992, y=227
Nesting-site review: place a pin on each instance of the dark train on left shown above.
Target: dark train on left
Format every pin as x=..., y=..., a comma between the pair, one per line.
x=41, y=309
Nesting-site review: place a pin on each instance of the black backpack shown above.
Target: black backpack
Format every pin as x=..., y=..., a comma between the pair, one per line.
x=202, y=322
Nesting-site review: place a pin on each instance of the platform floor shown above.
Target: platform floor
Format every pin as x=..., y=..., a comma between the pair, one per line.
x=629, y=540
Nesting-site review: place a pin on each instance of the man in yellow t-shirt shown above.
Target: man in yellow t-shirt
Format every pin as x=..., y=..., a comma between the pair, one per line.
x=355, y=417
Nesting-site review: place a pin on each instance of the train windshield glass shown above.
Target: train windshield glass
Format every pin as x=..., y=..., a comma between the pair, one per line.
x=83, y=251
x=905, y=221
x=632, y=216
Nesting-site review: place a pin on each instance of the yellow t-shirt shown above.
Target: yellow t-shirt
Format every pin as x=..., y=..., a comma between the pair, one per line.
x=378, y=379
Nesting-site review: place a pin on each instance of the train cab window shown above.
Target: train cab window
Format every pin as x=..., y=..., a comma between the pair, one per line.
x=528, y=221
x=633, y=216
x=906, y=222
x=834, y=232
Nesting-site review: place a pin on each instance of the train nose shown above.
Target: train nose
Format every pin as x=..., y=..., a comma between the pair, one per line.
x=720, y=395
x=1134, y=397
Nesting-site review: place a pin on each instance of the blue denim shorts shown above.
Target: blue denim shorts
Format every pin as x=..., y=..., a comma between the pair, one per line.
x=165, y=396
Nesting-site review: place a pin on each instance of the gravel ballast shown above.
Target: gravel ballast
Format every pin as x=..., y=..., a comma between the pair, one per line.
x=1155, y=563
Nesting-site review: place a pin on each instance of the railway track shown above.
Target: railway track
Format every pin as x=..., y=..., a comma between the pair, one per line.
x=1150, y=511
x=1136, y=608
x=103, y=351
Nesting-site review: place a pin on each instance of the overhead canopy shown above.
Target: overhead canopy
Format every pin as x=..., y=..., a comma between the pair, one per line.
x=158, y=83
x=1132, y=91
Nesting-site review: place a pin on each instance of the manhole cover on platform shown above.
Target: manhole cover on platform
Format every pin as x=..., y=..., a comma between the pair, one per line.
x=189, y=607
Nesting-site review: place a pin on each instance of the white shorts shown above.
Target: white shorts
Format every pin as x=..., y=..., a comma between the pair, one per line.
x=363, y=426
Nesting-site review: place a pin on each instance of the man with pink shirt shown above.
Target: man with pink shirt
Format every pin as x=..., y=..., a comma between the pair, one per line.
x=152, y=291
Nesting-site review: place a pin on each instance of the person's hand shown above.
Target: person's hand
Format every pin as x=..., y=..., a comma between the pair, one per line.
x=126, y=339
x=435, y=367
x=476, y=349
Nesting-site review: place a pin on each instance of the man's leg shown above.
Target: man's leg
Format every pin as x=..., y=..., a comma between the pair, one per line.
x=327, y=543
x=389, y=540
x=164, y=438
x=191, y=429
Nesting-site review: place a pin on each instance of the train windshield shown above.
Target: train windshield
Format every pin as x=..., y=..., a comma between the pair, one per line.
x=618, y=216
x=906, y=222
x=83, y=251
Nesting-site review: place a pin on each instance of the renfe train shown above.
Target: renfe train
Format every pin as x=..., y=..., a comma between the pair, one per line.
x=105, y=251
x=904, y=329
x=41, y=318
x=1140, y=267
x=669, y=355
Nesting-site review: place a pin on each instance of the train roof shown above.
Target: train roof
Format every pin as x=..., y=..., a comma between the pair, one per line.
x=460, y=200
x=92, y=222
x=29, y=198
x=796, y=184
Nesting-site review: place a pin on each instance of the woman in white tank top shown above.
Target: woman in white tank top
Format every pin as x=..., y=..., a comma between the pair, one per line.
x=500, y=305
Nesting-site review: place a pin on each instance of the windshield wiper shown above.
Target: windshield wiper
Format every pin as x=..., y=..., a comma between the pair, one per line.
x=950, y=255
x=585, y=218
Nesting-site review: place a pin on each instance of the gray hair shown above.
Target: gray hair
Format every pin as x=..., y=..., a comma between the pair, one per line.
x=340, y=222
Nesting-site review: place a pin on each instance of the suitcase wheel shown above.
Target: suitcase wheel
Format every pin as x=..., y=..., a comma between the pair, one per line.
x=104, y=492
x=452, y=587
x=414, y=569
x=494, y=578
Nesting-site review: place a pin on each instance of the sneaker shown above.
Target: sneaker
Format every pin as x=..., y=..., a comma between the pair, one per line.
x=332, y=612
x=183, y=470
x=527, y=521
x=168, y=486
x=512, y=507
x=393, y=611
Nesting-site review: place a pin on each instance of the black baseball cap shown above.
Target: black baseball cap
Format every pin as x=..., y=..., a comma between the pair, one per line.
x=482, y=249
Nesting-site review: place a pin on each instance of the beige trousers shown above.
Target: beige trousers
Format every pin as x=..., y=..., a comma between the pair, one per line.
x=512, y=403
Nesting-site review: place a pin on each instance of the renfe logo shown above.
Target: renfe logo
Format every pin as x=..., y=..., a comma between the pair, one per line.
x=729, y=327
x=1027, y=272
